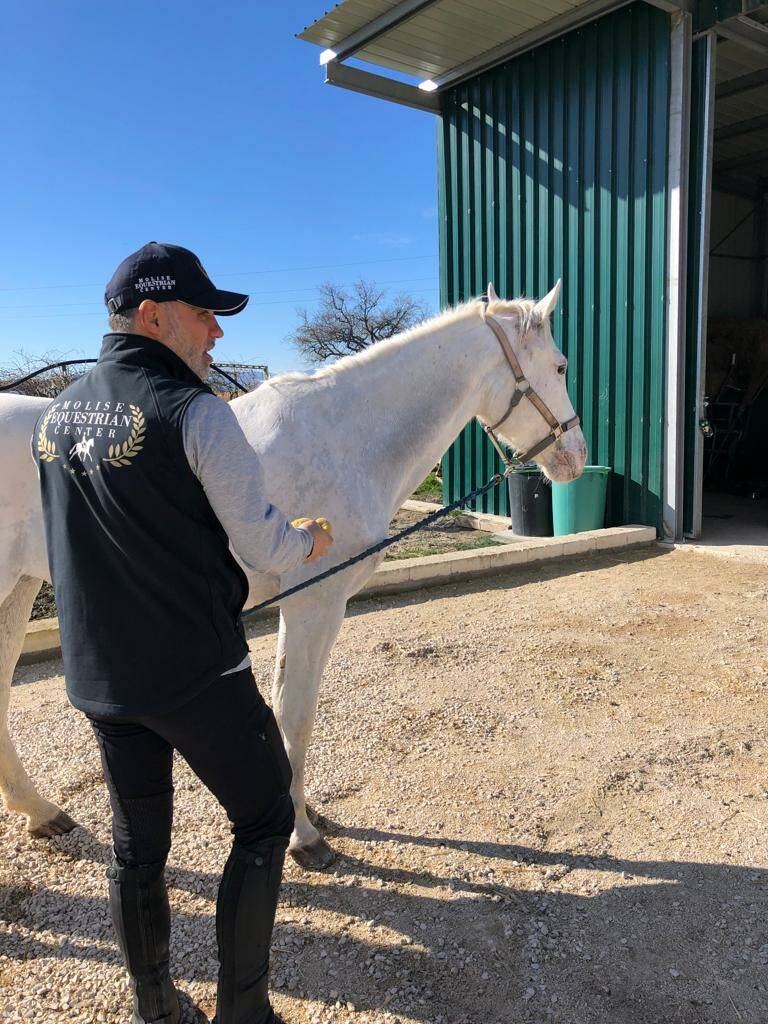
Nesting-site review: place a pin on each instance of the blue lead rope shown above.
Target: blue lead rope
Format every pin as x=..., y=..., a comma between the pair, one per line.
x=495, y=480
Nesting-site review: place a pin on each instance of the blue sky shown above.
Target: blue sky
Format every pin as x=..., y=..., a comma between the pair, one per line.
x=208, y=126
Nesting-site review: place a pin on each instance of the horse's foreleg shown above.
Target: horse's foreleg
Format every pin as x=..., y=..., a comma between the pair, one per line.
x=43, y=818
x=307, y=632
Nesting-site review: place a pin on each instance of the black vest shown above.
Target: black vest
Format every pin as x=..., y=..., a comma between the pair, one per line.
x=148, y=594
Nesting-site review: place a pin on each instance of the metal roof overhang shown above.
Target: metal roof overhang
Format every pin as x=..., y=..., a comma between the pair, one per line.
x=442, y=42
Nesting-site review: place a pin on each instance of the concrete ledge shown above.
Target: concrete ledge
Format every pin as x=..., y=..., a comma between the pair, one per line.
x=411, y=505
x=434, y=570
x=42, y=639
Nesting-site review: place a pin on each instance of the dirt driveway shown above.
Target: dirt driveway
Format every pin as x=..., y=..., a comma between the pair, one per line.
x=549, y=792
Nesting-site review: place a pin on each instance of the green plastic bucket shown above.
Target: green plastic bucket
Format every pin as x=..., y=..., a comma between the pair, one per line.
x=580, y=505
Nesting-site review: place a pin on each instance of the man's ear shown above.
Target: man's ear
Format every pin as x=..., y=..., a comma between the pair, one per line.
x=149, y=319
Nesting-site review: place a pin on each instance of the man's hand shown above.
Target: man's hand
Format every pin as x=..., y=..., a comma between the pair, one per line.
x=321, y=535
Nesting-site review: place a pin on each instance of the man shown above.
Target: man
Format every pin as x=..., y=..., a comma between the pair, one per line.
x=146, y=478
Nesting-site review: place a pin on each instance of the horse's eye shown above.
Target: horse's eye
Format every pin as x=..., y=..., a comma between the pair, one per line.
x=562, y=368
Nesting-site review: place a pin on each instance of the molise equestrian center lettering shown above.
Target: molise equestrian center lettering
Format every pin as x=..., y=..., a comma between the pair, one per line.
x=83, y=418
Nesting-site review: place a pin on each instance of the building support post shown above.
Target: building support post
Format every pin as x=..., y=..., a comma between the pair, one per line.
x=700, y=341
x=677, y=192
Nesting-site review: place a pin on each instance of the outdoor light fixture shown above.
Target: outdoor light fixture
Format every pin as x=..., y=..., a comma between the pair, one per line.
x=427, y=85
x=326, y=56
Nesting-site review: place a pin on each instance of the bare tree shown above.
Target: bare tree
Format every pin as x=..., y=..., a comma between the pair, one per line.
x=348, y=322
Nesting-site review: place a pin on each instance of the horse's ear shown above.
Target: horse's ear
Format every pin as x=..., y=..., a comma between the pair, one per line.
x=544, y=306
x=492, y=296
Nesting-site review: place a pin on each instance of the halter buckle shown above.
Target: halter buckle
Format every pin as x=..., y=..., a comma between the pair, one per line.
x=557, y=431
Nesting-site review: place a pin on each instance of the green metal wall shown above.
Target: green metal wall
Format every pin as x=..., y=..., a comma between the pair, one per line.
x=554, y=165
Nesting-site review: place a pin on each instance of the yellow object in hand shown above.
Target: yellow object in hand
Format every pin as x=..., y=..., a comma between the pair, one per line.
x=321, y=521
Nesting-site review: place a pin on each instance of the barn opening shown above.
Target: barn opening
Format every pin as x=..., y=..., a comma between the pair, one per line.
x=735, y=411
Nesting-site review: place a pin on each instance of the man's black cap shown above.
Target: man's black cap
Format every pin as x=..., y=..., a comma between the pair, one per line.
x=167, y=273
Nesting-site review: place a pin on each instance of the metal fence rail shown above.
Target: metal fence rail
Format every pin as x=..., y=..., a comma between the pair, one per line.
x=226, y=379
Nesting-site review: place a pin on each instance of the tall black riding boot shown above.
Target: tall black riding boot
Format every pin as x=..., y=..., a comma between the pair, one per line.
x=142, y=919
x=245, y=914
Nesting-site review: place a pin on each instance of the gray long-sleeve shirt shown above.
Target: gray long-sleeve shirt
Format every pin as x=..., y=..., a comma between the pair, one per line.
x=231, y=474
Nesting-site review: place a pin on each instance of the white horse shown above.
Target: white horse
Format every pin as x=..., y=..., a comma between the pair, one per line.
x=351, y=442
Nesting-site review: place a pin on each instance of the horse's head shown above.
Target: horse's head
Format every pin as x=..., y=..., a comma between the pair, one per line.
x=516, y=415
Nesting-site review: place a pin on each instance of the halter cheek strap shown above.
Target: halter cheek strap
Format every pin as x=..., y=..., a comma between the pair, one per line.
x=522, y=390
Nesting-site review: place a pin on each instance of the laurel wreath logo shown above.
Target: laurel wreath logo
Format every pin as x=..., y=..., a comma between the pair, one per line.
x=122, y=454
x=45, y=446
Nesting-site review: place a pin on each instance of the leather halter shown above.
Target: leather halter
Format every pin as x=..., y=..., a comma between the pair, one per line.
x=522, y=390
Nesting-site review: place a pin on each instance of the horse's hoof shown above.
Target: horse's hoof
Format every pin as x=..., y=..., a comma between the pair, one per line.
x=58, y=826
x=315, y=857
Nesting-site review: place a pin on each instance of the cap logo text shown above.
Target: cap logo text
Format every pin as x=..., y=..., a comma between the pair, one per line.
x=163, y=283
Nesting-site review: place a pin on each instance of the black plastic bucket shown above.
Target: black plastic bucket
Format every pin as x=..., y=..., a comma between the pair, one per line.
x=530, y=503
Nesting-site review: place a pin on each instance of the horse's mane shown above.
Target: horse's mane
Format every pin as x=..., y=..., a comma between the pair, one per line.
x=522, y=308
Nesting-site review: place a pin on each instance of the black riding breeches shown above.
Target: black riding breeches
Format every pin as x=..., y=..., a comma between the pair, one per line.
x=229, y=738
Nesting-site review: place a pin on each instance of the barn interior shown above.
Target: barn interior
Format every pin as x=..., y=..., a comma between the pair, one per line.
x=735, y=471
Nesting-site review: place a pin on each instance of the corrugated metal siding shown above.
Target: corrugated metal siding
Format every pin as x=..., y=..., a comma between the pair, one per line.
x=554, y=165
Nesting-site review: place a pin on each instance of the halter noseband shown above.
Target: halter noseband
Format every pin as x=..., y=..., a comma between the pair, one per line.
x=522, y=390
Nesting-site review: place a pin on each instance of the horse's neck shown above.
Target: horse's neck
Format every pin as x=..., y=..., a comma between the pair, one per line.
x=407, y=401
x=390, y=413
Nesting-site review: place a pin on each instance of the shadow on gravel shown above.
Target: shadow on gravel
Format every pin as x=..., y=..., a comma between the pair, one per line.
x=37, y=672
x=655, y=942
x=519, y=576
x=507, y=579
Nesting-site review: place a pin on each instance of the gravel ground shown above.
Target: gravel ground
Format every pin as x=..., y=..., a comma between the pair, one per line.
x=548, y=789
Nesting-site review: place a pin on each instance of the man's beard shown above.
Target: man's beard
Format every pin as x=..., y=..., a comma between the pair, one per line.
x=176, y=336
